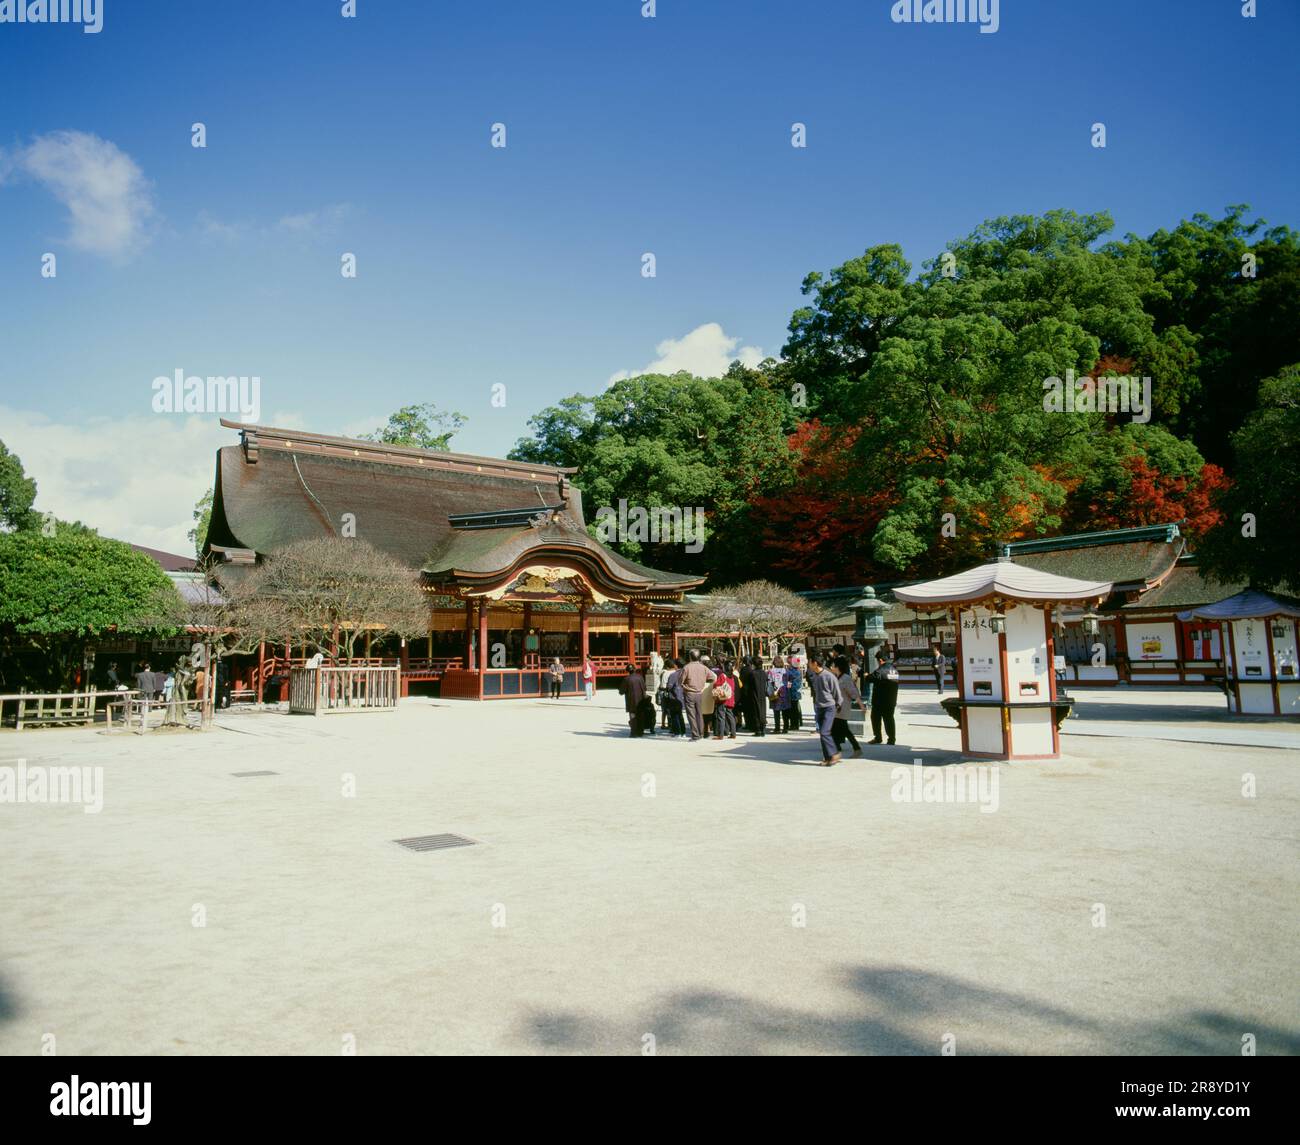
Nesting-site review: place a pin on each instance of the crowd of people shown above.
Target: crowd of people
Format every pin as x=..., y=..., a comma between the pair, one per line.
x=695, y=699
x=159, y=685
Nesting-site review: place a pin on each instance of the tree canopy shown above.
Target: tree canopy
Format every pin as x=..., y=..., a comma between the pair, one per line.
x=912, y=424
x=57, y=591
x=423, y=426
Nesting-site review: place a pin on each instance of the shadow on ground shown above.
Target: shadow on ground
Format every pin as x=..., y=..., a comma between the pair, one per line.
x=896, y=1011
x=798, y=749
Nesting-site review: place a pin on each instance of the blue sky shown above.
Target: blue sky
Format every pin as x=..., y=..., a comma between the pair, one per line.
x=522, y=265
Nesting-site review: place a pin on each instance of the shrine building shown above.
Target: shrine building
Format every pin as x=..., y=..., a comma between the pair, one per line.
x=500, y=547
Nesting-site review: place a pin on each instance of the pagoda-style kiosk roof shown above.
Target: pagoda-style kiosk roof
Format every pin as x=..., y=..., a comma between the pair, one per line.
x=1261, y=669
x=1007, y=703
x=501, y=546
x=1004, y=581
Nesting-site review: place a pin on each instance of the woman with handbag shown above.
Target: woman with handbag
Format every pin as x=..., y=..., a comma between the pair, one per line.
x=724, y=703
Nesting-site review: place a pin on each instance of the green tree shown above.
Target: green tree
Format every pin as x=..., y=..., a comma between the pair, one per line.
x=202, y=519
x=672, y=441
x=944, y=377
x=423, y=426
x=58, y=591
x=1258, y=541
x=1232, y=286
x=17, y=493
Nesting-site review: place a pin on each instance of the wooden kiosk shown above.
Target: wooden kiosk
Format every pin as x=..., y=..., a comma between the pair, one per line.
x=1006, y=703
x=1258, y=636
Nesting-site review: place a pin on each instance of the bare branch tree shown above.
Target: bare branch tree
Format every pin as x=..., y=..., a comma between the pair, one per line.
x=322, y=594
x=757, y=609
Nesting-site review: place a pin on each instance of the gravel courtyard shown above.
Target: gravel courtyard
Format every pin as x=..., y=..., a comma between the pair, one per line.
x=718, y=899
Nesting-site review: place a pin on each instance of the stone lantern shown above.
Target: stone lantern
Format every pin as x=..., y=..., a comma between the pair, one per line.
x=869, y=626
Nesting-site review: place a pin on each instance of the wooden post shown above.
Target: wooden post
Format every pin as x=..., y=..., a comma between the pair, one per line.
x=1006, y=686
x=261, y=670
x=583, y=627
x=631, y=635
x=469, y=629
x=405, y=657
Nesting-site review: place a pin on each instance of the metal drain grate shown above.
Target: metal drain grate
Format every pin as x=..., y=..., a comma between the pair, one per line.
x=434, y=842
x=246, y=774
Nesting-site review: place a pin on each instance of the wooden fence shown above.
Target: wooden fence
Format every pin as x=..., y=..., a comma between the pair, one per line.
x=55, y=709
x=326, y=691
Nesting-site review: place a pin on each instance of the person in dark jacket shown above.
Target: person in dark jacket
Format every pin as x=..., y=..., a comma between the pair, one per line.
x=146, y=682
x=884, y=697
x=755, y=692
x=675, y=701
x=632, y=687
x=825, y=688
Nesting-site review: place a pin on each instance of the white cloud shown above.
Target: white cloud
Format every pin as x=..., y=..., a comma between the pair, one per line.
x=705, y=352
x=133, y=478
x=321, y=222
x=315, y=224
x=107, y=196
x=215, y=229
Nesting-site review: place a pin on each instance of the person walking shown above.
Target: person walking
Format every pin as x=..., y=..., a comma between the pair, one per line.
x=884, y=697
x=632, y=687
x=724, y=702
x=756, y=689
x=588, y=677
x=556, y=672
x=825, y=688
x=849, y=695
x=939, y=665
x=794, y=686
x=693, y=678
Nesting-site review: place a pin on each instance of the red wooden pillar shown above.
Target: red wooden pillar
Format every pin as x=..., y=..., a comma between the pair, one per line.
x=523, y=639
x=405, y=654
x=631, y=635
x=288, y=666
x=261, y=669
x=960, y=675
x=584, y=628
x=483, y=659
x=1006, y=686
